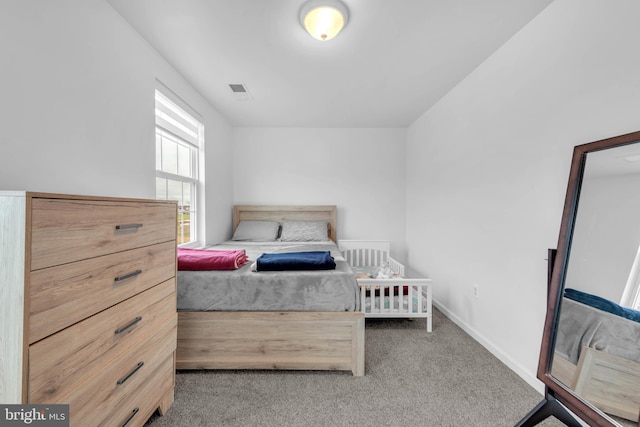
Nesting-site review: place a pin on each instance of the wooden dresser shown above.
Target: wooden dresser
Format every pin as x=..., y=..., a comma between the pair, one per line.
x=88, y=305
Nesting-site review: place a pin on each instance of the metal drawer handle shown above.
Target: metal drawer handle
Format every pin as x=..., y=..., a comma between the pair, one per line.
x=133, y=414
x=133, y=371
x=126, y=226
x=125, y=327
x=128, y=275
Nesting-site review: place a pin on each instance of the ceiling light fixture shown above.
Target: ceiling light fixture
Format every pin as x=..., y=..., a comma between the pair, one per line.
x=324, y=19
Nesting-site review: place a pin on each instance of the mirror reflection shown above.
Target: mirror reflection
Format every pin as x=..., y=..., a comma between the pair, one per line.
x=597, y=347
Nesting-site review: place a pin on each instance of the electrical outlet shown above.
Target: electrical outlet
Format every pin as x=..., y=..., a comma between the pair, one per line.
x=476, y=290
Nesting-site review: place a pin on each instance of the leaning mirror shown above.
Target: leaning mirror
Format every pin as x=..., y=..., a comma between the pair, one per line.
x=590, y=356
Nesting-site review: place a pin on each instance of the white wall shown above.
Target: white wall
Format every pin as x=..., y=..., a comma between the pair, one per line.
x=362, y=171
x=77, y=109
x=606, y=236
x=487, y=167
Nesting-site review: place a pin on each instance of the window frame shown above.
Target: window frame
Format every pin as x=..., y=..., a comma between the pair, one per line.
x=194, y=142
x=631, y=294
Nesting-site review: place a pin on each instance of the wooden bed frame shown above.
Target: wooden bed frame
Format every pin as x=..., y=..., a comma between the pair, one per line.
x=273, y=340
x=611, y=383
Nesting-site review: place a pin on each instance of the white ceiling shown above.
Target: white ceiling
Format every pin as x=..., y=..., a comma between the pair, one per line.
x=391, y=63
x=621, y=160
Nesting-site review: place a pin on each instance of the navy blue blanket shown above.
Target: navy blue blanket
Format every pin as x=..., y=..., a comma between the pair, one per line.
x=313, y=260
x=602, y=304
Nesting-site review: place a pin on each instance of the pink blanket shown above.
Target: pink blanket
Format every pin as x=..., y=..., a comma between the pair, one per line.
x=205, y=259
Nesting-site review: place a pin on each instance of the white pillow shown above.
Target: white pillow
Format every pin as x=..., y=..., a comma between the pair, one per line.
x=258, y=231
x=304, y=231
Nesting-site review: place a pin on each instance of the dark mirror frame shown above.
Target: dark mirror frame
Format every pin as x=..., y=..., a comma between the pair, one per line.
x=555, y=389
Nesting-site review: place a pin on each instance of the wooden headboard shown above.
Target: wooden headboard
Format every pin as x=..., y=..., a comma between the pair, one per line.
x=287, y=213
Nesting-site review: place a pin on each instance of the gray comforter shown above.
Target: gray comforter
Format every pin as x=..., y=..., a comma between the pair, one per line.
x=247, y=290
x=581, y=325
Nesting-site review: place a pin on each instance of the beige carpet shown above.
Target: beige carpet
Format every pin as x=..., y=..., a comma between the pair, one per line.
x=412, y=378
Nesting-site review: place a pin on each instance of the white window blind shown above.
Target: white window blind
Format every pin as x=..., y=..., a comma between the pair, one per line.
x=175, y=120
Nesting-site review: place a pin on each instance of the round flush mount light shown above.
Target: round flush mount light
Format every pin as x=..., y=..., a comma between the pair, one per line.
x=324, y=19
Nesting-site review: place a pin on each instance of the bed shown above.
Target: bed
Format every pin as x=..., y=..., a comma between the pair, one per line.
x=258, y=322
x=597, y=352
x=395, y=294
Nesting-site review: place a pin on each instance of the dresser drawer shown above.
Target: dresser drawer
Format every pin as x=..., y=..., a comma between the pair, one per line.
x=66, y=230
x=135, y=411
x=63, y=360
x=66, y=294
x=114, y=389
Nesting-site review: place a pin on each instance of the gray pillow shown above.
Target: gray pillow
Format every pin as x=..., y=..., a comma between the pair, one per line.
x=258, y=231
x=304, y=231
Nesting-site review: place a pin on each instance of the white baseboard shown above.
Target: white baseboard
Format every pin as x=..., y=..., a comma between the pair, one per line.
x=532, y=380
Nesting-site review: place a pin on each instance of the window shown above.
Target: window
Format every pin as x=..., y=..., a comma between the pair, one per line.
x=179, y=141
x=631, y=295
x=636, y=302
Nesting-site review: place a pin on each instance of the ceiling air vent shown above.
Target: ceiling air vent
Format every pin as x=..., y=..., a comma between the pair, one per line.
x=240, y=92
